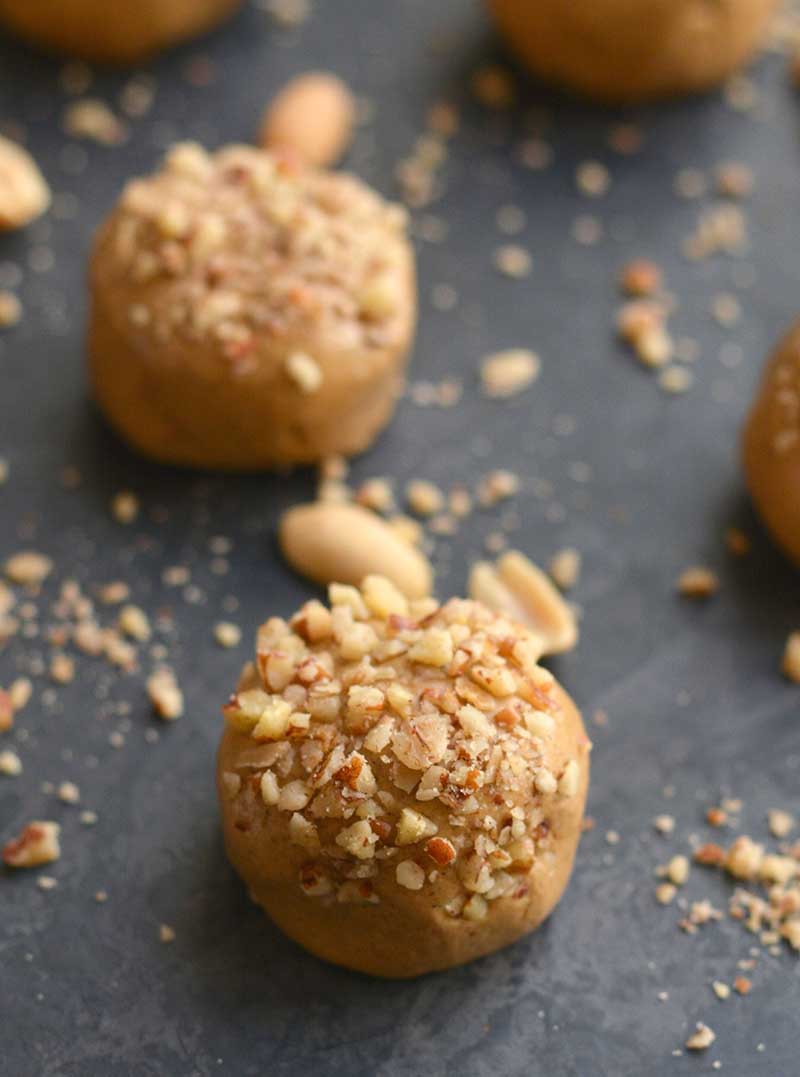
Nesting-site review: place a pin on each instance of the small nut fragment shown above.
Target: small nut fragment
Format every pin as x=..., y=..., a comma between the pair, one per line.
x=410, y=875
x=698, y=582
x=24, y=195
x=37, y=844
x=227, y=634
x=313, y=115
x=565, y=568
x=328, y=541
x=125, y=507
x=507, y=373
x=92, y=119
x=413, y=827
x=424, y=498
x=701, y=1038
x=10, y=764
x=790, y=665
x=304, y=371
x=678, y=869
x=358, y=840
x=515, y=587
x=780, y=822
x=10, y=310
x=165, y=695
x=640, y=277
x=134, y=622
x=28, y=568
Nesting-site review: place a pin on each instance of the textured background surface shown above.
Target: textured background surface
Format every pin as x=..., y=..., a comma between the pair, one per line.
x=693, y=692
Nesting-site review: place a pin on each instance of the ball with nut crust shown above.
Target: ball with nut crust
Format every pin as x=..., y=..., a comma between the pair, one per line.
x=627, y=50
x=771, y=444
x=125, y=34
x=402, y=785
x=248, y=311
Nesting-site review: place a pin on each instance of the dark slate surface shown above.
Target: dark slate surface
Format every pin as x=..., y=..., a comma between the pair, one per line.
x=693, y=694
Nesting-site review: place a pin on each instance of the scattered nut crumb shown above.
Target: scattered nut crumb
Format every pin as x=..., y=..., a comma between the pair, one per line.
x=125, y=507
x=28, y=568
x=164, y=694
x=10, y=763
x=565, y=568
x=10, y=309
x=227, y=634
x=507, y=373
x=424, y=498
x=698, y=582
x=790, y=664
x=701, y=1039
x=37, y=844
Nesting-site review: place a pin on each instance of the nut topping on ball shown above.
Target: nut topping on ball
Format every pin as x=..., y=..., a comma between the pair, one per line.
x=402, y=784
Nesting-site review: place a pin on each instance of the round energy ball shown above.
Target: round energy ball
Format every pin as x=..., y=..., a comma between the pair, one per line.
x=248, y=311
x=633, y=50
x=126, y=34
x=771, y=444
x=402, y=785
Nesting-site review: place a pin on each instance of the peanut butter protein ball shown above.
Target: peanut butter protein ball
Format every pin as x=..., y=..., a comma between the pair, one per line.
x=121, y=33
x=633, y=50
x=771, y=444
x=249, y=311
x=402, y=784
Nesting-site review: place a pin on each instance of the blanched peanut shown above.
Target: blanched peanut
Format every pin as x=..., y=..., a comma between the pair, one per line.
x=24, y=195
x=313, y=115
x=332, y=542
x=516, y=587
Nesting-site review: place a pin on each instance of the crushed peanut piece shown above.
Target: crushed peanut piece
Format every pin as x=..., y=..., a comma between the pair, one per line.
x=125, y=507
x=424, y=498
x=701, y=1038
x=37, y=844
x=305, y=372
x=10, y=309
x=10, y=763
x=28, y=568
x=790, y=663
x=24, y=195
x=698, y=582
x=164, y=694
x=507, y=373
x=227, y=634
x=640, y=278
x=565, y=568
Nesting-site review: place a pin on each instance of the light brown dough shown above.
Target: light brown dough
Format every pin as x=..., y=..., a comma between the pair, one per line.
x=402, y=785
x=115, y=33
x=247, y=311
x=771, y=444
x=633, y=50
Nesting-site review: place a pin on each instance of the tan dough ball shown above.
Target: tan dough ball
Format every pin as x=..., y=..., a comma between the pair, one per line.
x=116, y=33
x=247, y=311
x=631, y=50
x=771, y=444
x=402, y=784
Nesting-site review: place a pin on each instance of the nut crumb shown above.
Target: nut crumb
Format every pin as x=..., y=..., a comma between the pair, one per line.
x=506, y=373
x=37, y=844
x=701, y=1038
x=790, y=664
x=165, y=695
x=10, y=763
x=125, y=507
x=227, y=634
x=698, y=582
x=565, y=568
x=28, y=568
